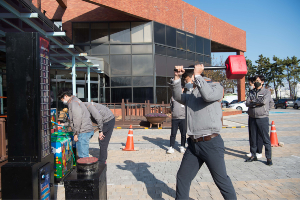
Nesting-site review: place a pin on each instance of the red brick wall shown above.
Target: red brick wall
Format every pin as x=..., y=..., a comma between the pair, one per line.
x=181, y=15
x=175, y=13
x=79, y=11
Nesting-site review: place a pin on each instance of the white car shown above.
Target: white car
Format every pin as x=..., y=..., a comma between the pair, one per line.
x=297, y=104
x=239, y=106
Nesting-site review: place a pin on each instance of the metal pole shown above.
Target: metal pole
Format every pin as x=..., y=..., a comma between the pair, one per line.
x=89, y=84
x=56, y=98
x=73, y=76
x=208, y=67
x=98, y=88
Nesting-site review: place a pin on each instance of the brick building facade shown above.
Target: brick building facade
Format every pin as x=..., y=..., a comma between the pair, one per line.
x=177, y=14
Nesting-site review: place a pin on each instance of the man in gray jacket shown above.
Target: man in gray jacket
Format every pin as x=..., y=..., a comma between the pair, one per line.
x=105, y=120
x=258, y=101
x=80, y=121
x=203, y=118
x=178, y=120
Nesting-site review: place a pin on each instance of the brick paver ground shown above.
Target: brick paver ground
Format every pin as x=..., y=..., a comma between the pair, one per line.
x=150, y=173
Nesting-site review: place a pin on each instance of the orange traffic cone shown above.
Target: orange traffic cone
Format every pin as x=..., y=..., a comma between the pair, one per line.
x=129, y=144
x=273, y=136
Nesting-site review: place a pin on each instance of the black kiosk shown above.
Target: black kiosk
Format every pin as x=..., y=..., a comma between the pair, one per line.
x=29, y=171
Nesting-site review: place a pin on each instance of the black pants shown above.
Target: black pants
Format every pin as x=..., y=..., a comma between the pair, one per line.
x=182, y=127
x=259, y=140
x=212, y=153
x=260, y=126
x=108, y=128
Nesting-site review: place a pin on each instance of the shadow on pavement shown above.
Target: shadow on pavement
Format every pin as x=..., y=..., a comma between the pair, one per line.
x=95, y=152
x=155, y=188
x=236, y=153
x=162, y=143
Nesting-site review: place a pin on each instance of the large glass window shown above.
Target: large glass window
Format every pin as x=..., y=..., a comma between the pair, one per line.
x=190, y=43
x=120, y=49
x=160, y=50
x=99, y=32
x=181, y=54
x=161, y=94
x=207, y=60
x=142, y=94
x=171, y=63
x=171, y=36
x=120, y=64
x=85, y=49
x=139, y=49
x=161, y=65
x=142, y=65
x=120, y=32
x=171, y=52
x=161, y=81
x=117, y=94
x=190, y=56
x=81, y=33
x=141, y=32
x=107, y=95
x=99, y=49
x=142, y=81
x=200, y=58
x=207, y=47
x=181, y=40
x=159, y=33
x=94, y=91
x=199, y=44
x=120, y=81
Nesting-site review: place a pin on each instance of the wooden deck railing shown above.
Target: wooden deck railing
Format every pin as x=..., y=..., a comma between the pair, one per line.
x=136, y=111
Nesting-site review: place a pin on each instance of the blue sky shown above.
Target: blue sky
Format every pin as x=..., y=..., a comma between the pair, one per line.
x=272, y=26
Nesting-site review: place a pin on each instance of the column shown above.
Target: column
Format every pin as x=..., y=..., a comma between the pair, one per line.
x=73, y=76
x=241, y=84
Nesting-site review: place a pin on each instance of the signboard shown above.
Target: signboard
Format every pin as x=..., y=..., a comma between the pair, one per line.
x=45, y=97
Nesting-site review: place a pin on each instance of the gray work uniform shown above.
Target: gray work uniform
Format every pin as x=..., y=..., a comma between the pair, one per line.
x=259, y=102
x=80, y=120
x=203, y=118
x=105, y=120
x=178, y=120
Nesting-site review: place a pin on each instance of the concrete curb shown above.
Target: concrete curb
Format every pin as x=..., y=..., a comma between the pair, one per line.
x=170, y=127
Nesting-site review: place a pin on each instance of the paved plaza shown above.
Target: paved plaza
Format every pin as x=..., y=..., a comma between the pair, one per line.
x=150, y=173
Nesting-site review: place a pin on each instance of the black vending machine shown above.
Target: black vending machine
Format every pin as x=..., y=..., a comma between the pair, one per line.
x=29, y=171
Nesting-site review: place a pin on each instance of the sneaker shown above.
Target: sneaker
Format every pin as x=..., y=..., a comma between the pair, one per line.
x=171, y=150
x=182, y=150
x=258, y=155
x=249, y=154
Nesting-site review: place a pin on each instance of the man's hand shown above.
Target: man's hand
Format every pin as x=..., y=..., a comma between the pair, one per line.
x=101, y=136
x=76, y=138
x=179, y=72
x=199, y=68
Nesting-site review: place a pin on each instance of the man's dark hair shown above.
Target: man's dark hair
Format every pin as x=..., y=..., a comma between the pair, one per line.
x=251, y=79
x=189, y=72
x=261, y=77
x=64, y=91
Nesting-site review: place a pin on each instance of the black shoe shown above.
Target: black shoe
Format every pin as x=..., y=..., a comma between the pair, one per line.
x=269, y=162
x=251, y=159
